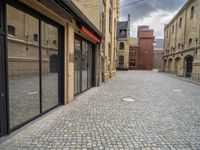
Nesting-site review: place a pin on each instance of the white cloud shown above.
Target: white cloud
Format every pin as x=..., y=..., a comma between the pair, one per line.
x=156, y=20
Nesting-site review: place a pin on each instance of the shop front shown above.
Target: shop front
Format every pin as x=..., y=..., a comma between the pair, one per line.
x=38, y=61
x=31, y=65
x=84, y=65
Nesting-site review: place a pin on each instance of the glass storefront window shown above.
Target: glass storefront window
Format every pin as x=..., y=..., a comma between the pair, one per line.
x=90, y=71
x=77, y=66
x=33, y=68
x=50, y=66
x=84, y=65
x=23, y=67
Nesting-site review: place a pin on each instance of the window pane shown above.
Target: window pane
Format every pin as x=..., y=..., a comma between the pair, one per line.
x=84, y=65
x=77, y=66
x=23, y=67
x=50, y=66
x=90, y=65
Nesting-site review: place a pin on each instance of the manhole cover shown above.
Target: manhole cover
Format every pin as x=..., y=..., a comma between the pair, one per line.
x=128, y=99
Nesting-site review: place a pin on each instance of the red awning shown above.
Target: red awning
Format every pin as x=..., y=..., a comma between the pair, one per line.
x=90, y=34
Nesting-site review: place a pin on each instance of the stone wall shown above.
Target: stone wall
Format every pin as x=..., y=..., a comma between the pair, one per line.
x=184, y=41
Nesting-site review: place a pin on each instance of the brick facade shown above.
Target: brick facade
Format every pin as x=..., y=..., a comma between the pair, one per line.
x=144, y=49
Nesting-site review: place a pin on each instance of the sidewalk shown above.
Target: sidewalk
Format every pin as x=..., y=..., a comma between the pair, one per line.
x=181, y=78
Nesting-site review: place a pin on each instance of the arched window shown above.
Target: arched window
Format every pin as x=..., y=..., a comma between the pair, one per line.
x=121, y=46
x=192, y=12
x=179, y=45
x=11, y=30
x=190, y=41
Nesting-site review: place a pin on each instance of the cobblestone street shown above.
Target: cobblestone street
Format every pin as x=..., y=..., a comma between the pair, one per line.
x=164, y=115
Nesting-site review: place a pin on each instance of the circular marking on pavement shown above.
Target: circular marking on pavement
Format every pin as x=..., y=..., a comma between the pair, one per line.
x=128, y=99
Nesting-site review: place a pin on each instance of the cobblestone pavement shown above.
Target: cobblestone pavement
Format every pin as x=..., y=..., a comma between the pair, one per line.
x=164, y=115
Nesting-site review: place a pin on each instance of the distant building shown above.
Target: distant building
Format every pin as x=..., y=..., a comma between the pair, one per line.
x=141, y=49
x=182, y=44
x=133, y=53
x=158, y=54
x=123, y=37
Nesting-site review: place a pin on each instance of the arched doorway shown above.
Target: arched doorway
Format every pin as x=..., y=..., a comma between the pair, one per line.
x=165, y=65
x=188, y=66
x=54, y=63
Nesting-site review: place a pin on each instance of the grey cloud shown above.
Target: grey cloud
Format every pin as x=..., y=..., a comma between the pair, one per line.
x=145, y=7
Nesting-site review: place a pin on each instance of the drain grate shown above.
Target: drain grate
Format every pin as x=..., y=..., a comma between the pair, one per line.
x=128, y=99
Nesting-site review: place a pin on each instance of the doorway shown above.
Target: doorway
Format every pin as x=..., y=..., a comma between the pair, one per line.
x=84, y=65
x=77, y=67
x=189, y=62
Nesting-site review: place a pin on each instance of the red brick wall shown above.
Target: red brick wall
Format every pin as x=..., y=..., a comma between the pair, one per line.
x=145, y=54
x=144, y=57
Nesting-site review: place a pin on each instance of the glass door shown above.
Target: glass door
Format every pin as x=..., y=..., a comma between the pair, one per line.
x=77, y=67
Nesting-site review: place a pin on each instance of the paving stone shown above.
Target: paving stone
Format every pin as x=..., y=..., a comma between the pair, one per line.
x=160, y=117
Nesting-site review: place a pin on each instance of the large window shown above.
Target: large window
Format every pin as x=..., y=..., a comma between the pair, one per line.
x=132, y=63
x=121, y=46
x=121, y=60
x=132, y=52
x=83, y=65
x=90, y=65
x=33, y=66
x=50, y=66
x=192, y=12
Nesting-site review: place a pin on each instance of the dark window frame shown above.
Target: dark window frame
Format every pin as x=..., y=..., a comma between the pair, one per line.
x=172, y=29
x=190, y=41
x=180, y=22
x=121, y=46
x=32, y=12
x=121, y=60
x=192, y=12
x=11, y=30
x=36, y=38
x=132, y=61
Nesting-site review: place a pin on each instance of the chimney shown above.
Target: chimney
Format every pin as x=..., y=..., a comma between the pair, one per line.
x=129, y=24
x=129, y=17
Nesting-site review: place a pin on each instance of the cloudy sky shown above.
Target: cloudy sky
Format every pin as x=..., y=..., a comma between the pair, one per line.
x=154, y=13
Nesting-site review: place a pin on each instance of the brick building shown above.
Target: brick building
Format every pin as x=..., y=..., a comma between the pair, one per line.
x=141, y=49
x=182, y=41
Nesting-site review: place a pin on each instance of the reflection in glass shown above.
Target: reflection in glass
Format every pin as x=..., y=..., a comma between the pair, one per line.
x=77, y=66
x=84, y=65
x=50, y=66
x=23, y=67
